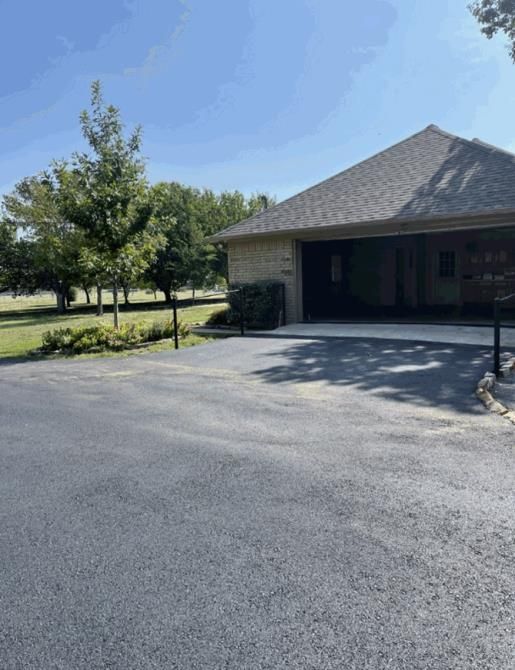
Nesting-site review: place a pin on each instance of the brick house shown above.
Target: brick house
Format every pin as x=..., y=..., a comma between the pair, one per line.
x=426, y=226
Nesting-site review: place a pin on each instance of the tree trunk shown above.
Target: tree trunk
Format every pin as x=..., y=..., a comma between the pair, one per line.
x=88, y=298
x=61, y=302
x=168, y=296
x=126, y=290
x=100, y=304
x=68, y=301
x=115, y=306
x=155, y=293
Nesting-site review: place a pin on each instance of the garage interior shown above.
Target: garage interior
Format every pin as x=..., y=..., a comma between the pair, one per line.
x=431, y=274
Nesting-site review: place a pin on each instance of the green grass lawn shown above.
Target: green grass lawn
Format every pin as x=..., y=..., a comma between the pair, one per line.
x=24, y=321
x=46, y=300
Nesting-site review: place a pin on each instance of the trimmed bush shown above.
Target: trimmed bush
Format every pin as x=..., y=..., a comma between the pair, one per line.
x=263, y=305
x=82, y=339
x=219, y=318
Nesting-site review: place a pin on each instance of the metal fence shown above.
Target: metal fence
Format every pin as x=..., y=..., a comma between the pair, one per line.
x=242, y=315
x=211, y=295
x=499, y=305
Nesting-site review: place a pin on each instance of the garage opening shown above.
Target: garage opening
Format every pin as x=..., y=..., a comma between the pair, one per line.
x=351, y=278
x=441, y=274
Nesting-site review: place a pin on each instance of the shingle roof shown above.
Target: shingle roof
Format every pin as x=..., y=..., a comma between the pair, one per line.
x=431, y=174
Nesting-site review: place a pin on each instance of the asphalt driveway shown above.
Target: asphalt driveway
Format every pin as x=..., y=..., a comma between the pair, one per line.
x=256, y=503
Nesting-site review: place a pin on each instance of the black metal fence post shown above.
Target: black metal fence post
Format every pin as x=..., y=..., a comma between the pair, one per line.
x=242, y=312
x=175, y=329
x=497, y=336
x=283, y=301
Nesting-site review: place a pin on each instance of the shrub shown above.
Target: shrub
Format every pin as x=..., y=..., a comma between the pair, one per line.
x=183, y=328
x=262, y=302
x=54, y=340
x=81, y=339
x=158, y=331
x=219, y=318
x=163, y=330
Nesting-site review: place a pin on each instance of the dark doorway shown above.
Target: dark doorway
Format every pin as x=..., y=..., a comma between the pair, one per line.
x=368, y=277
x=400, y=273
x=341, y=278
x=325, y=279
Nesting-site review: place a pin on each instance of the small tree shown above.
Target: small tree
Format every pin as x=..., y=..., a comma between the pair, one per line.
x=106, y=196
x=496, y=16
x=46, y=255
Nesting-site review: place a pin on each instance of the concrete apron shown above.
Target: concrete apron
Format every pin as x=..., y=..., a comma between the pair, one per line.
x=446, y=334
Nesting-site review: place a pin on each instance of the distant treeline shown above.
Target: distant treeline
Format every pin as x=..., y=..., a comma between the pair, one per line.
x=94, y=221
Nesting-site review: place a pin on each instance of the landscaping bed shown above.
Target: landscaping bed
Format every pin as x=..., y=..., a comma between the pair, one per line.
x=101, y=337
x=22, y=330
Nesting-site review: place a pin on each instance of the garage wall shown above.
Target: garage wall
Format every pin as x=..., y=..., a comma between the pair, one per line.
x=262, y=260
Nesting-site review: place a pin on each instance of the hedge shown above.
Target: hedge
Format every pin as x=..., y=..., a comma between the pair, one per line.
x=262, y=303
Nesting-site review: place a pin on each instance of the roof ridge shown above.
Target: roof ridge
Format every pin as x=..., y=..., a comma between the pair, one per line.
x=475, y=143
x=492, y=147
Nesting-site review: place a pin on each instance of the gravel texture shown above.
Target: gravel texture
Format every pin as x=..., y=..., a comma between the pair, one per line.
x=256, y=503
x=505, y=391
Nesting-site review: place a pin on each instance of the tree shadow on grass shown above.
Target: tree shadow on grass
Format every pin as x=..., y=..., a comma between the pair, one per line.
x=10, y=319
x=420, y=373
x=36, y=312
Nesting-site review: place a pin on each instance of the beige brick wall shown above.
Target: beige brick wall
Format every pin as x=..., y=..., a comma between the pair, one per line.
x=267, y=259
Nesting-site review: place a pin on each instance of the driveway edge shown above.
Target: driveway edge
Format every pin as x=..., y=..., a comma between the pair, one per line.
x=486, y=386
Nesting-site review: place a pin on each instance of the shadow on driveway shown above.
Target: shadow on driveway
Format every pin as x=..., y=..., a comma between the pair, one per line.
x=425, y=374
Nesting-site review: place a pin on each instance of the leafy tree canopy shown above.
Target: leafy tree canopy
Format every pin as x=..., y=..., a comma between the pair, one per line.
x=95, y=219
x=105, y=194
x=496, y=16
x=44, y=248
x=189, y=216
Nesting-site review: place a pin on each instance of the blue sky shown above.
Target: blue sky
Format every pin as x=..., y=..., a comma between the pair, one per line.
x=270, y=95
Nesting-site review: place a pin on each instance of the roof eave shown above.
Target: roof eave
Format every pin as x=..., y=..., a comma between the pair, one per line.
x=391, y=226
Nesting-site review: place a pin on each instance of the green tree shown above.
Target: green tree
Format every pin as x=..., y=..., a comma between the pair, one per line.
x=46, y=254
x=176, y=207
x=17, y=270
x=189, y=216
x=7, y=242
x=106, y=196
x=496, y=16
